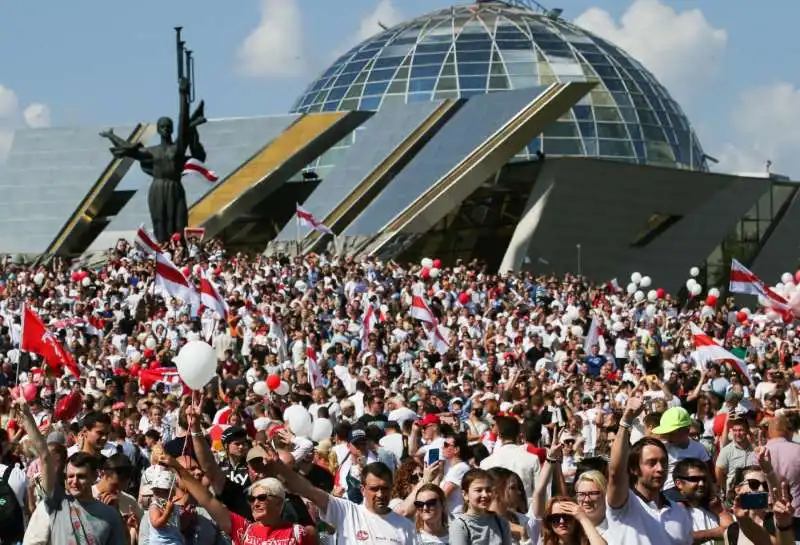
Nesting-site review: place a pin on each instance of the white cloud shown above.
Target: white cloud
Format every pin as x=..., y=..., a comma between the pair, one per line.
x=766, y=126
x=681, y=49
x=9, y=103
x=385, y=13
x=37, y=115
x=275, y=47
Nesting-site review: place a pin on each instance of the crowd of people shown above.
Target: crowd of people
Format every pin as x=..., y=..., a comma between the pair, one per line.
x=533, y=409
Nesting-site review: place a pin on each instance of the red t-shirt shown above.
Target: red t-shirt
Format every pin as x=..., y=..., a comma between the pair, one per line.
x=244, y=532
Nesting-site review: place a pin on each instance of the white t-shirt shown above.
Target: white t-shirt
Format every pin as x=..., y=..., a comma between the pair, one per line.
x=694, y=450
x=642, y=523
x=455, y=501
x=17, y=481
x=703, y=519
x=354, y=524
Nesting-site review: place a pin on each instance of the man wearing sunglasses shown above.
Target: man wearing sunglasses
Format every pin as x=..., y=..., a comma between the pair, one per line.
x=709, y=518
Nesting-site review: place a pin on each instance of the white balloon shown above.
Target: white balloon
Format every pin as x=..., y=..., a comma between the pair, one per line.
x=696, y=290
x=631, y=289
x=197, y=364
x=300, y=285
x=150, y=343
x=652, y=296
x=790, y=333
x=282, y=389
x=299, y=420
x=778, y=286
x=650, y=310
x=636, y=278
x=694, y=271
x=714, y=292
x=638, y=296
x=86, y=282
x=260, y=388
x=426, y=262
x=706, y=311
x=646, y=282
x=786, y=277
x=618, y=326
x=576, y=330
x=690, y=284
x=746, y=311
x=323, y=429
x=39, y=278
x=434, y=273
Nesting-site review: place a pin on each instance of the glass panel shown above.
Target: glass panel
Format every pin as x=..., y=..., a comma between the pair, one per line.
x=521, y=69
x=337, y=93
x=616, y=148
x=654, y=133
x=393, y=100
x=473, y=56
x=421, y=60
x=562, y=146
x=499, y=83
x=349, y=104
x=606, y=114
x=523, y=82
x=432, y=48
x=629, y=115
x=370, y=103
x=375, y=88
x=355, y=91
x=447, y=84
x=481, y=69
x=472, y=82
x=611, y=130
x=449, y=69
x=442, y=95
x=659, y=152
x=591, y=146
x=390, y=62
x=345, y=79
x=583, y=113
x=419, y=97
x=561, y=129
x=380, y=75
x=588, y=129
x=425, y=71
x=519, y=56
x=398, y=87
x=601, y=98
x=423, y=84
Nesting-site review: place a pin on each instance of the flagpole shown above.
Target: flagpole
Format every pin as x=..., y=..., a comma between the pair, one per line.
x=297, y=229
x=21, y=333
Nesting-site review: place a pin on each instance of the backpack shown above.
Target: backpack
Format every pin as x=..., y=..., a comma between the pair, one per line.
x=12, y=524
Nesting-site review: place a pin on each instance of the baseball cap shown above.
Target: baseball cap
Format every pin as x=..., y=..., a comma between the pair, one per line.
x=357, y=435
x=255, y=453
x=430, y=419
x=673, y=419
x=733, y=396
x=232, y=434
x=56, y=438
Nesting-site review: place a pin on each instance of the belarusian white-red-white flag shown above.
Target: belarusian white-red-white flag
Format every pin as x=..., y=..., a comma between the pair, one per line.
x=419, y=308
x=210, y=297
x=744, y=281
x=197, y=167
x=168, y=376
x=439, y=336
x=307, y=219
x=171, y=282
x=707, y=349
x=38, y=339
x=146, y=242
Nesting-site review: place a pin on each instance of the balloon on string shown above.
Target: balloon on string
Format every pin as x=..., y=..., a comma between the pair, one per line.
x=29, y=392
x=68, y=406
x=197, y=364
x=576, y=330
x=618, y=326
x=322, y=429
x=425, y=273
x=661, y=292
x=434, y=273
x=638, y=296
x=652, y=296
x=797, y=277
x=298, y=420
x=86, y=282
x=786, y=277
x=706, y=312
x=645, y=282
x=650, y=310
x=150, y=343
x=711, y=300
x=742, y=316
x=636, y=278
x=714, y=292
x=694, y=271
x=186, y=272
x=631, y=289
x=463, y=298
x=696, y=290
x=437, y=263
x=260, y=388
x=38, y=278
x=282, y=389
x=426, y=263
x=273, y=382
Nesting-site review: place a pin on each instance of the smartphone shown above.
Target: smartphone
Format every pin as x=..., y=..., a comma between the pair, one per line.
x=754, y=500
x=433, y=456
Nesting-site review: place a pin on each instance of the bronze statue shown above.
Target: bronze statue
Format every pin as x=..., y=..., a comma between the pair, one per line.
x=164, y=162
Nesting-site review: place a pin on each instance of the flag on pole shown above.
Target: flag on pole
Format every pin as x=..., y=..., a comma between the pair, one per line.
x=210, y=297
x=146, y=242
x=171, y=282
x=307, y=219
x=167, y=376
x=707, y=349
x=197, y=167
x=744, y=281
x=38, y=339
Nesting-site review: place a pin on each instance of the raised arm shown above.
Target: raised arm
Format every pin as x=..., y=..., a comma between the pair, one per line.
x=300, y=486
x=205, y=458
x=618, y=480
x=184, y=135
x=219, y=513
x=552, y=460
x=38, y=444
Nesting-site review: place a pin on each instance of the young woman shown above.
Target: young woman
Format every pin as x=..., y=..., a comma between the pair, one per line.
x=432, y=516
x=565, y=523
x=510, y=503
x=478, y=525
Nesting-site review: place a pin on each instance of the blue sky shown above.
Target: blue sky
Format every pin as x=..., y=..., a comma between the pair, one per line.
x=94, y=62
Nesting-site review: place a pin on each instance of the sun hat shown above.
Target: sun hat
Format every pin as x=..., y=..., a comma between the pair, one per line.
x=673, y=419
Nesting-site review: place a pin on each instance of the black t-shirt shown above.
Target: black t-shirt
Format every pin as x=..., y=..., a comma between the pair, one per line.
x=234, y=496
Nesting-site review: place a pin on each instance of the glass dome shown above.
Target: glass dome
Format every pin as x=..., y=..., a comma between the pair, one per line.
x=496, y=46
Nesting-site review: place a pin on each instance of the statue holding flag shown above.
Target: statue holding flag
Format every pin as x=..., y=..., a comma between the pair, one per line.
x=165, y=161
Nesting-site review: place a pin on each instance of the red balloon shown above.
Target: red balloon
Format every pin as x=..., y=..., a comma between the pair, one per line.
x=797, y=277
x=788, y=318
x=437, y=263
x=186, y=272
x=273, y=382
x=134, y=369
x=68, y=406
x=463, y=298
x=155, y=364
x=711, y=300
x=660, y=293
x=425, y=273
x=741, y=316
x=29, y=392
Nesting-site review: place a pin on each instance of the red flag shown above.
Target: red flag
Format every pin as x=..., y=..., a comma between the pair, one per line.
x=38, y=339
x=168, y=376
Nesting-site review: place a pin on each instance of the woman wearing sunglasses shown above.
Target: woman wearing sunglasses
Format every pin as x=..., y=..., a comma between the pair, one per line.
x=431, y=516
x=565, y=523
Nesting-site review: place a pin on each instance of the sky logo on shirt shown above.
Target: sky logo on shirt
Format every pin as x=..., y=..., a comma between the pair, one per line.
x=362, y=535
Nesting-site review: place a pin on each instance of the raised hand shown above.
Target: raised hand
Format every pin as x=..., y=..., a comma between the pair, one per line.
x=782, y=507
x=634, y=406
x=764, y=459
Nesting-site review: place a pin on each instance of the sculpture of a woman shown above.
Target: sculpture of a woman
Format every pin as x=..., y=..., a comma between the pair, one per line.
x=164, y=163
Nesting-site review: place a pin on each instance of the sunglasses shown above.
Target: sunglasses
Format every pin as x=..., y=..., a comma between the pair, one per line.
x=558, y=518
x=755, y=484
x=430, y=504
x=692, y=478
x=449, y=443
x=593, y=495
x=261, y=498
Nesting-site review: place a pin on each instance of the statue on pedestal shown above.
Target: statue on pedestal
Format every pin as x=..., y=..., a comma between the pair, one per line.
x=164, y=162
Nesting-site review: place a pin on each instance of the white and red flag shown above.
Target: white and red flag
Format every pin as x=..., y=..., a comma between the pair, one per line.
x=210, y=297
x=38, y=339
x=744, y=281
x=197, y=167
x=146, y=242
x=314, y=371
x=419, y=308
x=707, y=349
x=307, y=219
x=170, y=282
x=168, y=376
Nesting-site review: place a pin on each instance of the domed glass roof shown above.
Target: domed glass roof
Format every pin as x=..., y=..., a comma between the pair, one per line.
x=496, y=46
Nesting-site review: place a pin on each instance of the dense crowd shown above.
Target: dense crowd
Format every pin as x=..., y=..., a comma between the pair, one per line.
x=529, y=408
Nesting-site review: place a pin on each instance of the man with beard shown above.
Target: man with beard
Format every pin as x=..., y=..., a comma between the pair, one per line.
x=709, y=518
x=635, y=503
